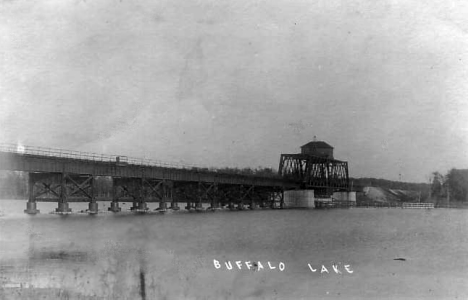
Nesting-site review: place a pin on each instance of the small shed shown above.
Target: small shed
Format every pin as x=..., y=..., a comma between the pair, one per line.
x=318, y=148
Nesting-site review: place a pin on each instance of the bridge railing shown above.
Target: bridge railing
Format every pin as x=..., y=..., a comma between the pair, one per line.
x=63, y=153
x=118, y=159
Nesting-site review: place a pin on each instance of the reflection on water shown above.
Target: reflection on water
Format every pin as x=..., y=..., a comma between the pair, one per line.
x=154, y=256
x=59, y=255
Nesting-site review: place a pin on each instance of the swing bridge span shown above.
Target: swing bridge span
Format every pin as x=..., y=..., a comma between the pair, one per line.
x=64, y=176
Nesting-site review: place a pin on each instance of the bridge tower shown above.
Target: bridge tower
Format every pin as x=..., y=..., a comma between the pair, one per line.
x=315, y=168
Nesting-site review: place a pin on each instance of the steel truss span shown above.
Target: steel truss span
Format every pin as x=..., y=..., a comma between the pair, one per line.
x=323, y=175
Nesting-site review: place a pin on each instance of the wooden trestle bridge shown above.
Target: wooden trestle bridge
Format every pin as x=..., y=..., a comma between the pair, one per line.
x=69, y=176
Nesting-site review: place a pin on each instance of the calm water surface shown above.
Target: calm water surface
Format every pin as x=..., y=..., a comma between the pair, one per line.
x=170, y=256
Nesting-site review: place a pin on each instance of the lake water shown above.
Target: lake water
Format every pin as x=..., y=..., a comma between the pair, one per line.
x=170, y=256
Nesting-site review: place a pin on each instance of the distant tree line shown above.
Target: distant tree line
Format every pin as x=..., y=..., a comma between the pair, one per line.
x=259, y=171
x=389, y=184
x=452, y=186
x=13, y=185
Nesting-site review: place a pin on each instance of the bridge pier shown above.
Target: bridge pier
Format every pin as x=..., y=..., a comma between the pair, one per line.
x=31, y=205
x=142, y=205
x=166, y=189
x=31, y=208
x=214, y=205
x=252, y=204
x=63, y=208
x=114, y=207
x=215, y=198
x=63, y=204
x=93, y=207
x=199, y=206
x=200, y=194
x=174, y=205
x=162, y=205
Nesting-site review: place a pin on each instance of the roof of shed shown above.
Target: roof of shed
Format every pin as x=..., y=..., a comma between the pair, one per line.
x=317, y=144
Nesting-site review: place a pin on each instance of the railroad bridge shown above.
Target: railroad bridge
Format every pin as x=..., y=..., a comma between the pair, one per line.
x=64, y=176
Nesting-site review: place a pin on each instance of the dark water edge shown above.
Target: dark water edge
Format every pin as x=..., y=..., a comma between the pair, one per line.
x=394, y=253
x=43, y=293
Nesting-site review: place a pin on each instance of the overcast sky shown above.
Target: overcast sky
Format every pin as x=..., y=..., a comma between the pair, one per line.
x=237, y=83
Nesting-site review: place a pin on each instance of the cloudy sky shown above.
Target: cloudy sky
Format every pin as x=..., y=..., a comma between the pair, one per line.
x=237, y=83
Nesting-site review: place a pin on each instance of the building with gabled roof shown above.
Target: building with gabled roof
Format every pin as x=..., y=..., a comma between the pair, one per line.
x=318, y=148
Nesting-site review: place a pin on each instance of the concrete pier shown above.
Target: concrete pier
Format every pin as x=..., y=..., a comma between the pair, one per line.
x=175, y=206
x=214, y=206
x=134, y=205
x=63, y=208
x=162, y=205
x=114, y=207
x=31, y=208
x=142, y=206
x=93, y=208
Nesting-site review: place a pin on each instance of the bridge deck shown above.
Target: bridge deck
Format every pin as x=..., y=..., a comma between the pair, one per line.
x=50, y=164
